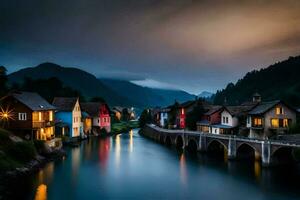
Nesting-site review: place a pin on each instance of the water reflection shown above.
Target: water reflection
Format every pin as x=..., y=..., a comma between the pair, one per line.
x=183, y=170
x=149, y=168
x=117, y=151
x=44, y=177
x=130, y=147
x=41, y=192
x=257, y=170
x=75, y=163
x=103, y=152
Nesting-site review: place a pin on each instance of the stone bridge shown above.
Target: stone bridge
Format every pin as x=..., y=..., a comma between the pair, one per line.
x=263, y=149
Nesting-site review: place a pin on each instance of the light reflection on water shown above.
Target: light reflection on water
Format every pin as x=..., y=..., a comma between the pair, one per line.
x=183, y=170
x=128, y=166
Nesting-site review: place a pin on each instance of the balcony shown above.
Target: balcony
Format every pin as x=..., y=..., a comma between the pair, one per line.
x=42, y=124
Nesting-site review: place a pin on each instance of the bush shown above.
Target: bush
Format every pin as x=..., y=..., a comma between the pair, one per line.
x=39, y=146
x=22, y=151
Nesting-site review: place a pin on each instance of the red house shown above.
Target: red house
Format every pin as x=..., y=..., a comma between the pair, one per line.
x=212, y=116
x=100, y=114
x=182, y=111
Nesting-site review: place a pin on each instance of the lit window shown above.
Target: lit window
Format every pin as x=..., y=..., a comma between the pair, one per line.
x=22, y=116
x=275, y=123
x=257, y=121
x=279, y=110
x=50, y=116
x=285, y=123
x=182, y=111
x=40, y=116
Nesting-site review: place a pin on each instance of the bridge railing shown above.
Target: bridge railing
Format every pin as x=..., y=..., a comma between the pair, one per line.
x=240, y=138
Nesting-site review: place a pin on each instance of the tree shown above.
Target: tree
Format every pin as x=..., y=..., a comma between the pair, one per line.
x=3, y=81
x=49, y=88
x=97, y=99
x=145, y=118
x=194, y=116
x=173, y=113
x=125, y=115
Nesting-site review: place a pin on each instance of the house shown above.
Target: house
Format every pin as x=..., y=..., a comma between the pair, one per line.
x=28, y=115
x=182, y=111
x=118, y=113
x=68, y=116
x=87, y=123
x=209, y=118
x=270, y=118
x=100, y=114
x=232, y=118
x=163, y=117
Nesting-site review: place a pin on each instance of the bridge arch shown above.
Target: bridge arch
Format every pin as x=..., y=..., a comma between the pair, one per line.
x=246, y=151
x=192, y=145
x=283, y=155
x=179, y=142
x=168, y=140
x=216, y=142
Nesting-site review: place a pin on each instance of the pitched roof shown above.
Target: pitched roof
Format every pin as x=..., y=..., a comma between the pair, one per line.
x=64, y=103
x=213, y=109
x=239, y=110
x=264, y=107
x=32, y=100
x=187, y=103
x=92, y=108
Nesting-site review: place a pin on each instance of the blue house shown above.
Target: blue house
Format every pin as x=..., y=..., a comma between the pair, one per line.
x=68, y=117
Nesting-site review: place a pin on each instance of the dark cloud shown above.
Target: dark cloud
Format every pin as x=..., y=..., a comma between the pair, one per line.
x=194, y=45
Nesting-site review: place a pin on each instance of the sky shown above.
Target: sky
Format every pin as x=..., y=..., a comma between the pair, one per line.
x=194, y=45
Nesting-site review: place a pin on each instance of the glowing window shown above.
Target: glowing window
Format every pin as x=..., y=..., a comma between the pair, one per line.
x=285, y=123
x=279, y=111
x=275, y=123
x=50, y=116
x=257, y=121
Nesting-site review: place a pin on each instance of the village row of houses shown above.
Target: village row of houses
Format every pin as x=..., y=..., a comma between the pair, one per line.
x=29, y=115
x=255, y=119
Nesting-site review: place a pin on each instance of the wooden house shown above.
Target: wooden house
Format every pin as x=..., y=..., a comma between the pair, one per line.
x=28, y=115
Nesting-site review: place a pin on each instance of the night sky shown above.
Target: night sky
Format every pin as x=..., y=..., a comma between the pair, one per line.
x=188, y=44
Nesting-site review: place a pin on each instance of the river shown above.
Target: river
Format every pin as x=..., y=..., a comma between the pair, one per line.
x=129, y=166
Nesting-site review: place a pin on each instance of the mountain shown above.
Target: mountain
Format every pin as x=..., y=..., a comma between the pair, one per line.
x=115, y=92
x=205, y=94
x=278, y=81
x=86, y=83
x=147, y=96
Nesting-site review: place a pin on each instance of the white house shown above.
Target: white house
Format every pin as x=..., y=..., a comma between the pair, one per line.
x=231, y=119
x=163, y=119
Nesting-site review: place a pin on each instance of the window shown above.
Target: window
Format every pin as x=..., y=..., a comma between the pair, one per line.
x=285, y=123
x=223, y=120
x=50, y=116
x=279, y=110
x=40, y=116
x=226, y=120
x=275, y=123
x=257, y=122
x=22, y=116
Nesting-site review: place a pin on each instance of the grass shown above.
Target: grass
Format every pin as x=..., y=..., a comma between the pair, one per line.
x=14, y=154
x=121, y=127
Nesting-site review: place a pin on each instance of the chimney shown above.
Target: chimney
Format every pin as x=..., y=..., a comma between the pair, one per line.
x=256, y=98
